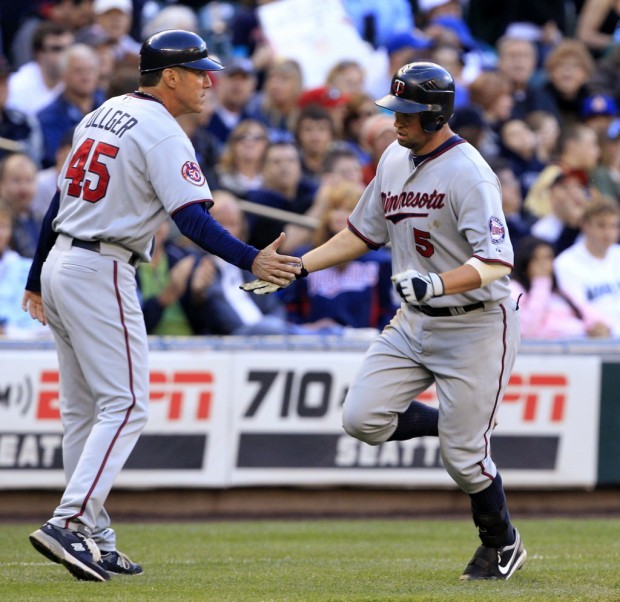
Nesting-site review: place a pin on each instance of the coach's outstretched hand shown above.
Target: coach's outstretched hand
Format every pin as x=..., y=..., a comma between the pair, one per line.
x=276, y=269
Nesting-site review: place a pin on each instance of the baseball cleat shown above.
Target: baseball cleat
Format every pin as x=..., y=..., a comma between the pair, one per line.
x=76, y=552
x=119, y=564
x=496, y=563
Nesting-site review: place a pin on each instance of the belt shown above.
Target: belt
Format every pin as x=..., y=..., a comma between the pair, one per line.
x=436, y=312
x=95, y=247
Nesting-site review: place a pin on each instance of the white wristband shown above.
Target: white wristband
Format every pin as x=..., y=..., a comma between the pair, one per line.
x=437, y=282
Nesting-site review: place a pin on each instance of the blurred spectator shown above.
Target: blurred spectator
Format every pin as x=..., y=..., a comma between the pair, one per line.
x=36, y=83
x=175, y=16
x=451, y=59
x=314, y=134
x=518, y=220
x=546, y=128
x=568, y=197
x=518, y=144
x=228, y=310
x=518, y=59
x=378, y=22
x=605, y=78
x=340, y=164
x=47, y=179
x=127, y=79
x=569, y=66
x=577, y=150
x=597, y=25
x=492, y=92
x=330, y=100
x=234, y=89
x=69, y=14
x=606, y=176
x=18, y=131
x=114, y=17
x=598, y=111
x=347, y=76
x=589, y=271
x=18, y=174
x=356, y=294
x=14, y=268
x=378, y=133
x=277, y=102
x=171, y=287
x=104, y=46
x=283, y=188
x=546, y=311
x=240, y=168
x=79, y=69
x=359, y=108
x=469, y=124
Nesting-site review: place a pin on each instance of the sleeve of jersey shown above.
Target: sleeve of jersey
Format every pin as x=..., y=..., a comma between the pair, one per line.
x=199, y=226
x=367, y=221
x=47, y=238
x=481, y=219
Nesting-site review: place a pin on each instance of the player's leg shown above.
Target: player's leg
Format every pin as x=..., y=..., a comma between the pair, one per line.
x=383, y=388
x=70, y=545
x=469, y=392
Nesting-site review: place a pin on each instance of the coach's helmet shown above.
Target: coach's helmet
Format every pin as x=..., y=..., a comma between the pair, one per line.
x=176, y=48
x=424, y=88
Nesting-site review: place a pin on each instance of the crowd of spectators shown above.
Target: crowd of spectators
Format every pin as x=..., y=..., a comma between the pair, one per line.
x=537, y=93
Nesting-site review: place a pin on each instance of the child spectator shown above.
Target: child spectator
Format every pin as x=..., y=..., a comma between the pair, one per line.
x=356, y=294
x=546, y=311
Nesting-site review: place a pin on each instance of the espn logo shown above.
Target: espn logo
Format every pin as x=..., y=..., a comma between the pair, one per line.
x=182, y=394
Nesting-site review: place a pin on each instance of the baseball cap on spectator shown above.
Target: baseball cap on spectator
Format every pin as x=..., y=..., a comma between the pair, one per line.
x=466, y=117
x=459, y=27
x=238, y=65
x=598, y=105
x=426, y=5
x=324, y=96
x=405, y=39
x=103, y=6
x=577, y=174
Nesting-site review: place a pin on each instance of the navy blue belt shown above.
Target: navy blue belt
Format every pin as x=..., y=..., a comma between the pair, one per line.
x=95, y=247
x=436, y=312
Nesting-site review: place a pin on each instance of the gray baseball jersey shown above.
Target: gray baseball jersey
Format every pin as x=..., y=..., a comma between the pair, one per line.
x=133, y=165
x=437, y=215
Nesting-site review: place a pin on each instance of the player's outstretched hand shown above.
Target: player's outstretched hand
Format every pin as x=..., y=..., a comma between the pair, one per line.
x=274, y=268
x=261, y=287
x=416, y=288
x=33, y=304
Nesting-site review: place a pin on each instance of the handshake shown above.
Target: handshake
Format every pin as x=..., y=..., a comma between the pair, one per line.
x=416, y=288
x=264, y=287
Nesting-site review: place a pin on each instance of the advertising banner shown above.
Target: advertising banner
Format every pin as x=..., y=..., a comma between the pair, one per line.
x=273, y=417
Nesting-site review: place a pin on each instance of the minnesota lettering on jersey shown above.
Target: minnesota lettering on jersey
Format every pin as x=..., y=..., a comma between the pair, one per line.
x=393, y=204
x=118, y=122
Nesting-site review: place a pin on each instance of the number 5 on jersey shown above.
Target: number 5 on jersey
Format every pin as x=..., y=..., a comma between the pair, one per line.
x=82, y=165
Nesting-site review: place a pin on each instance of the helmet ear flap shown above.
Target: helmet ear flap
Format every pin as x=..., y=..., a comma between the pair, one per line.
x=432, y=122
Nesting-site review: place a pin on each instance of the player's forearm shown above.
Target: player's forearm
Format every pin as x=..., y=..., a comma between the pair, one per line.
x=472, y=275
x=341, y=248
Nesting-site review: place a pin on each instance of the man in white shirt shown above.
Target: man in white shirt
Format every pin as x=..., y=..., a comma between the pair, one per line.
x=38, y=82
x=589, y=271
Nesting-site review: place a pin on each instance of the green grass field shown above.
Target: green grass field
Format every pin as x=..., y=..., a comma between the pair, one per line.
x=326, y=560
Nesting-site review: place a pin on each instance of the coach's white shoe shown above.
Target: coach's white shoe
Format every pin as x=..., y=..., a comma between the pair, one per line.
x=75, y=551
x=496, y=563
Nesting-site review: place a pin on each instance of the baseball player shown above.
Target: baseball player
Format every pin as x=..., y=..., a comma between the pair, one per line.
x=439, y=204
x=130, y=167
